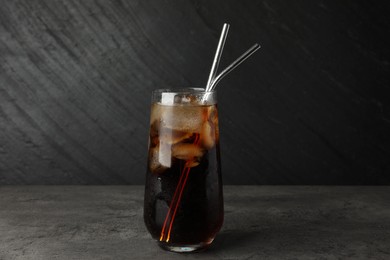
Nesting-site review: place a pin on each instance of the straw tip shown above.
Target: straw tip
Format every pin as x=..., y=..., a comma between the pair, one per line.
x=225, y=27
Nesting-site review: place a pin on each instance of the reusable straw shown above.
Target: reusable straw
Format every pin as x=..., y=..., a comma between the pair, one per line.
x=232, y=66
x=211, y=85
x=218, y=53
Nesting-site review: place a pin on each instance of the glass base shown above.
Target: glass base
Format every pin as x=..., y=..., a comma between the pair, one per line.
x=178, y=248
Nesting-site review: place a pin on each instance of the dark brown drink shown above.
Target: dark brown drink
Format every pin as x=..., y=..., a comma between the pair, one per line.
x=183, y=207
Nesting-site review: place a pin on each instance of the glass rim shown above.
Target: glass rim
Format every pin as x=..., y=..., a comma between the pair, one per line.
x=183, y=91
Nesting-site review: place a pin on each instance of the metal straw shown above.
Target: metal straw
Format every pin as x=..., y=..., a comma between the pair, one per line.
x=218, y=54
x=233, y=65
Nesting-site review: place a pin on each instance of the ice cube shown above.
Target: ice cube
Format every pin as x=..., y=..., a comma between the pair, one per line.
x=186, y=152
x=159, y=158
x=164, y=156
x=211, y=112
x=192, y=163
x=186, y=118
x=153, y=133
x=170, y=136
x=155, y=113
x=208, y=135
x=213, y=119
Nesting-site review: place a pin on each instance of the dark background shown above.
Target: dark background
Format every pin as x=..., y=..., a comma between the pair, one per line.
x=311, y=107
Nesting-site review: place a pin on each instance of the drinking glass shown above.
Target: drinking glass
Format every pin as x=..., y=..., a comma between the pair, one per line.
x=183, y=205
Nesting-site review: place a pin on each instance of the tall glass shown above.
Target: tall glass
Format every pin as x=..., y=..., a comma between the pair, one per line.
x=183, y=206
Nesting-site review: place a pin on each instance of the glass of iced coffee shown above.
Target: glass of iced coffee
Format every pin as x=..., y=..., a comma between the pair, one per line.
x=183, y=206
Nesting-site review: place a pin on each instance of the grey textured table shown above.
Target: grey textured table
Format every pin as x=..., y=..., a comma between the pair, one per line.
x=261, y=222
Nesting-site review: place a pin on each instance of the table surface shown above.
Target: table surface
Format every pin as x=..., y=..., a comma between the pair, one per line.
x=261, y=222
